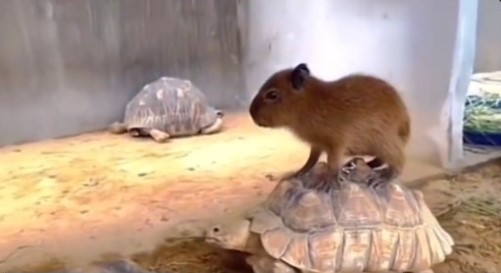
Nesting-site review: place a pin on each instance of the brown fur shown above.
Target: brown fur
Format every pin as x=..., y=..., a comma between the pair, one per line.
x=354, y=115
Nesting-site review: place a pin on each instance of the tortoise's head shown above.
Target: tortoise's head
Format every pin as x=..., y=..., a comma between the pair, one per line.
x=212, y=120
x=219, y=113
x=232, y=235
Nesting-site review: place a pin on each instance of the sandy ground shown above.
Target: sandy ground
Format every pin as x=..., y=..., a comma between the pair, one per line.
x=74, y=199
x=469, y=208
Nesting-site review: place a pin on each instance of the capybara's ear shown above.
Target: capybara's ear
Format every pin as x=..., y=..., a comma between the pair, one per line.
x=299, y=75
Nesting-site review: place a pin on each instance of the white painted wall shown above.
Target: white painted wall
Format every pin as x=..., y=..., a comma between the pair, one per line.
x=409, y=43
x=488, y=53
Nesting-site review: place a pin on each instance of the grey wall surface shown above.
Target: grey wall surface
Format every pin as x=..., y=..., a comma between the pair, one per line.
x=68, y=67
x=488, y=57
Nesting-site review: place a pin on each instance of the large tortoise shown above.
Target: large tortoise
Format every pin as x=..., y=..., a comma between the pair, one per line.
x=353, y=228
x=169, y=107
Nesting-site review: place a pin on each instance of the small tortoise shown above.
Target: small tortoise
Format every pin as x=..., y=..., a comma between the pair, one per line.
x=353, y=228
x=169, y=107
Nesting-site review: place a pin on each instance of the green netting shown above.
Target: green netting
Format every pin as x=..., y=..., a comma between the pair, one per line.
x=482, y=116
x=483, y=113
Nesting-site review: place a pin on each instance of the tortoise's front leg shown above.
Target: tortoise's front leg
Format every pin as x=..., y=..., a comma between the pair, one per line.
x=266, y=264
x=159, y=136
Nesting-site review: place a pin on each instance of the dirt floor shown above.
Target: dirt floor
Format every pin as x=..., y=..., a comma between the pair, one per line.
x=72, y=200
x=469, y=208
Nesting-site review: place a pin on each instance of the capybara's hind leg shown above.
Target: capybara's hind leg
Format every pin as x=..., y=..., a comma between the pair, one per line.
x=376, y=162
x=391, y=152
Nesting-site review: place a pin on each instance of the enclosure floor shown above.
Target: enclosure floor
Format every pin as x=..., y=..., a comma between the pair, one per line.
x=76, y=198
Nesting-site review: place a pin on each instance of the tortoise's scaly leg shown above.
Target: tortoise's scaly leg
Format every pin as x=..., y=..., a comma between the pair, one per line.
x=216, y=126
x=159, y=136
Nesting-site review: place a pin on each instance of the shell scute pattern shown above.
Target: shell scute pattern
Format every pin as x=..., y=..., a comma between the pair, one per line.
x=401, y=209
x=298, y=252
x=173, y=105
x=277, y=241
x=354, y=228
x=282, y=192
x=356, y=206
x=354, y=252
x=422, y=255
x=327, y=246
x=404, y=253
x=307, y=210
x=381, y=252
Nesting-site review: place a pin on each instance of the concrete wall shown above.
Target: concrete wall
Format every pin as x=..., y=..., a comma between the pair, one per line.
x=488, y=57
x=70, y=66
x=410, y=43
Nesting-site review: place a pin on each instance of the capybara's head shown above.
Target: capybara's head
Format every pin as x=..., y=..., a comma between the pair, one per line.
x=276, y=102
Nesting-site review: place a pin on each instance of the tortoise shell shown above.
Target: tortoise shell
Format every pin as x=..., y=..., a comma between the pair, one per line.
x=353, y=228
x=172, y=105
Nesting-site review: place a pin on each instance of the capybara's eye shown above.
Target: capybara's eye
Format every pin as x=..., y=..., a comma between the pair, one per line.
x=272, y=95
